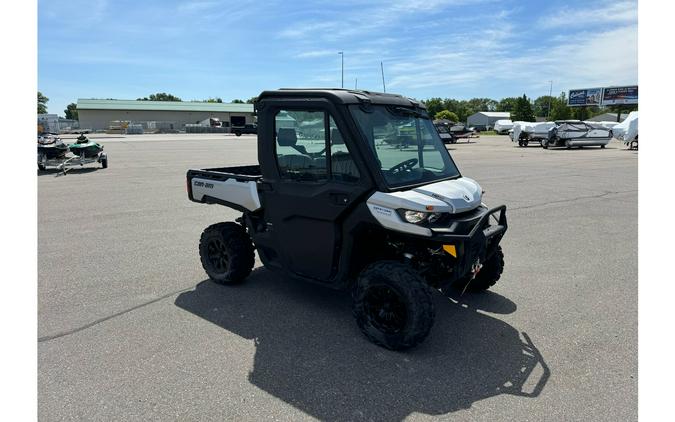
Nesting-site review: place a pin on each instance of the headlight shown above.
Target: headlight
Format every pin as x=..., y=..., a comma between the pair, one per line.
x=415, y=217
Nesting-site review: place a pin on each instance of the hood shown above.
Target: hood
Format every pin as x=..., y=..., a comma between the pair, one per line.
x=453, y=196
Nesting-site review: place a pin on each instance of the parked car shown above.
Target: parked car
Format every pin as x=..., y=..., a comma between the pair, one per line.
x=246, y=129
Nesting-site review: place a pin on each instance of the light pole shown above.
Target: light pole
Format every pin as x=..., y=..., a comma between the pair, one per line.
x=550, y=93
x=342, y=58
x=384, y=88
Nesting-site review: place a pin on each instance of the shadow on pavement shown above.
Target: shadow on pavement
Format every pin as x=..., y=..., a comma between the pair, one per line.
x=71, y=171
x=310, y=354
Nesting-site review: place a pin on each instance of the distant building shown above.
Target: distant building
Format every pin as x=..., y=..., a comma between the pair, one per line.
x=54, y=124
x=608, y=117
x=485, y=120
x=98, y=114
x=48, y=123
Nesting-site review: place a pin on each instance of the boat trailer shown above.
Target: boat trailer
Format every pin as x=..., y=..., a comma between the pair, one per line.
x=66, y=163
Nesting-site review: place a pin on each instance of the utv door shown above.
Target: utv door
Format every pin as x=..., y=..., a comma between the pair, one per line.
x=316, y=186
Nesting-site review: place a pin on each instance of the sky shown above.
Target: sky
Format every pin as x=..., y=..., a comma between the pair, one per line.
x=433, y=48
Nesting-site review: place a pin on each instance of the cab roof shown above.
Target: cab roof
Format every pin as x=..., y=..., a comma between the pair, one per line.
x=343, y=96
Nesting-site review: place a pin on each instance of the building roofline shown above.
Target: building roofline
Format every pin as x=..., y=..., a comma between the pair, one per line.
x=196, y=106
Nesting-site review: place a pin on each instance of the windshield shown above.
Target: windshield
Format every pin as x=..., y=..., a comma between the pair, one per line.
x=406, y=145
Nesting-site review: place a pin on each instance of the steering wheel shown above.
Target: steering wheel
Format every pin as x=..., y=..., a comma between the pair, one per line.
x=404, y=166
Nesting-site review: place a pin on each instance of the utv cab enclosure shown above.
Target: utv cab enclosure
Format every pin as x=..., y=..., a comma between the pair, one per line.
x=354, y=190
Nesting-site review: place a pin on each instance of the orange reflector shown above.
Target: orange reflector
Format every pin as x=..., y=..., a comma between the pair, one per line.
x=450, y=249
x=430, y=207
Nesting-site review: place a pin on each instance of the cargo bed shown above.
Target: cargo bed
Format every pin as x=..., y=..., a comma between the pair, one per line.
x=235, y=187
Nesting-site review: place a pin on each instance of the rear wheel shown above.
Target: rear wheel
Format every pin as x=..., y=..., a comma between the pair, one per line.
x=104, y=162
x=237, y=132
x=602, y=146
x=393, y=305
x=486, y=277
x=544, y=143
x=226, y=252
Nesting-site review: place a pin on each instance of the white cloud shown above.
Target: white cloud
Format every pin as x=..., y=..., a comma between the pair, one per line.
x=315, y=53
x=198, y=6
x=607, y=12
x=585, y=60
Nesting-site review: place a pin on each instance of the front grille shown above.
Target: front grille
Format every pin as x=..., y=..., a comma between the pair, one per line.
x=460, y=223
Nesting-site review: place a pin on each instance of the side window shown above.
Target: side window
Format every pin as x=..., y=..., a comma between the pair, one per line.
x=301, y=145
x=342, y=164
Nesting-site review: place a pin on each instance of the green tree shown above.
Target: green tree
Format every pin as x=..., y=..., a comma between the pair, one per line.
x=42, y=103
x=560, y=110
x=584, y=113
x=433, y=105
x=523, y=110
x=71, y=111
x=160, y=96
x=507, y=104
x=541, y=105
x=214, y=100
x=252, y=100
x=237, y=101
x=447, y=115
x=481, y=104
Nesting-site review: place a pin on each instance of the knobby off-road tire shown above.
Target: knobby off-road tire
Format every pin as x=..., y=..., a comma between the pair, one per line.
x=393, y=305
x=226, y=252
x=486, y=278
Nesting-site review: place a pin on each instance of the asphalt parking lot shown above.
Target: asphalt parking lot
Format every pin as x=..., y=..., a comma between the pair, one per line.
x=130, y=328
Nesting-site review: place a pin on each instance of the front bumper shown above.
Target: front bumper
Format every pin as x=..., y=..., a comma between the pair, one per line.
x=476, y=246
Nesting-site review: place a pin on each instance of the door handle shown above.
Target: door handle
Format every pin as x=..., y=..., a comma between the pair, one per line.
x=339, y=198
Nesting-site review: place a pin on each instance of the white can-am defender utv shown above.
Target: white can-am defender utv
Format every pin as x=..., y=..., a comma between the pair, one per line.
x=354, y=190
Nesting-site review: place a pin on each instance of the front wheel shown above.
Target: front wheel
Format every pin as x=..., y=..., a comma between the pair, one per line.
x=393, y=305
x=226, y=252
x=238, y=133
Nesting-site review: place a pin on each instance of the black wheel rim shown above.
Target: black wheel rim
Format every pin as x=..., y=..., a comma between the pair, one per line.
x=218, y=256
x=385, y=309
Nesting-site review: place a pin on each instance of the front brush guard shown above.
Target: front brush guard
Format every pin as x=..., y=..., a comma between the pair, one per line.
x=479, y=244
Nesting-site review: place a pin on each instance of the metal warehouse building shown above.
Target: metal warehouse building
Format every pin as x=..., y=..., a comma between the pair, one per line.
x=98, y=114
x=486, y=119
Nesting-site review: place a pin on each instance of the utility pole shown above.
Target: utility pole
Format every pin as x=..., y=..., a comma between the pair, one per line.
x=384, y=87
x=550, y=97
x=342, y=57
x=356, y=83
